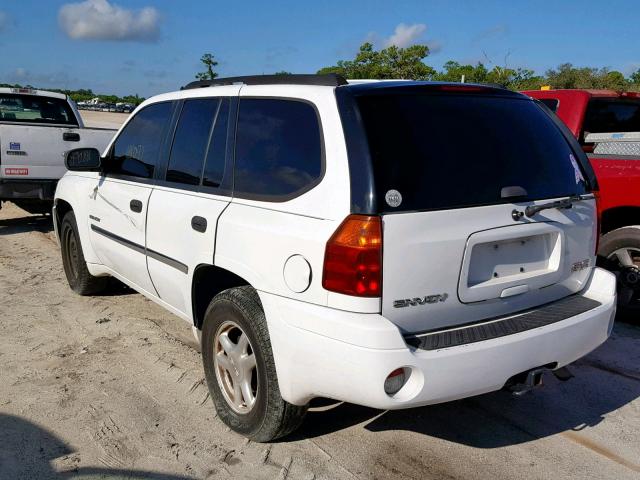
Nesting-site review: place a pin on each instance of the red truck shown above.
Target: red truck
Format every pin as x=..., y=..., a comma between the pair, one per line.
x=590, y=114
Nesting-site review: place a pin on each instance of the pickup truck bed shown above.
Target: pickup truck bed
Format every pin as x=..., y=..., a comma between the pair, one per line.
x=605, y=122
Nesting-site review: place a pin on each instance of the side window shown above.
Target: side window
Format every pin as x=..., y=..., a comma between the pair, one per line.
x=278, y=148
x=214, y=166
x=551, y=103
x=136, y=150
x=191, y=140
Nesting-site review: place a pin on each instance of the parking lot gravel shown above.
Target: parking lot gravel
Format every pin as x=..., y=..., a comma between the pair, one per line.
x=112, y=387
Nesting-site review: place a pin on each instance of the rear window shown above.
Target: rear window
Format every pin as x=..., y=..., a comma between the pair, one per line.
x=35, y=109
x=441, y=151
x=611, y=115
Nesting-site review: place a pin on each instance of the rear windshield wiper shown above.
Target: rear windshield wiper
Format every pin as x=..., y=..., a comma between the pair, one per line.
x=531, y=210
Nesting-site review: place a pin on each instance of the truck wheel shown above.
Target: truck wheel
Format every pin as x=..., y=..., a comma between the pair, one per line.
x=619, y=253
x=240, y=371
x=75, y=266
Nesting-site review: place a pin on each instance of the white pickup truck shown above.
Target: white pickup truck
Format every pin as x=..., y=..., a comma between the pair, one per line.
x=36, y=129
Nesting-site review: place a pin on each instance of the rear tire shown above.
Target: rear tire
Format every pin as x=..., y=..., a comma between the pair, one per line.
x=75, y=266
x=619, y=252
x=243, y=361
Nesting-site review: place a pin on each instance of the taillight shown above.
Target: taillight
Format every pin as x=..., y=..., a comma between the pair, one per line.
x=596, y=195
x=353, y=257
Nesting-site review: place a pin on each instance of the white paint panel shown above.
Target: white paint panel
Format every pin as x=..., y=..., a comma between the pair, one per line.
x=169, y=233
x=109, y=201
x=429, y=253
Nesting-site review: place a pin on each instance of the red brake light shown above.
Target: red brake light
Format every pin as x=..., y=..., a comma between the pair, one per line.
x=353, y=257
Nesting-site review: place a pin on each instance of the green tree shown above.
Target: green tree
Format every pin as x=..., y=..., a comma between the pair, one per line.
x=390, y=62
x=209, y=62
x=454, y=71
x=635, y=77
x=568, y=76
x=282, y=72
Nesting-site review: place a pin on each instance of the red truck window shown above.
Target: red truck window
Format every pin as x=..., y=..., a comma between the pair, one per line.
x=551, y=103
x=612, y=115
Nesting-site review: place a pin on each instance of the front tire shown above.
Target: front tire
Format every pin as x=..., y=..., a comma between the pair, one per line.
x=75, y=266
x=240, y=370
x=619, y=253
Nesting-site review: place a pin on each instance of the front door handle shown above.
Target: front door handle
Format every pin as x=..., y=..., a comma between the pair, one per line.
x=199, y=224
x=71, y=137
x=135, y=206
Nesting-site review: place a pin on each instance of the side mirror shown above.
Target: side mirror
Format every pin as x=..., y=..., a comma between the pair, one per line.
x=83, y=160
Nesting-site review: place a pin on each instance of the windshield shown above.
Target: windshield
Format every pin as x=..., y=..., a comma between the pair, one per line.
x=442, y=151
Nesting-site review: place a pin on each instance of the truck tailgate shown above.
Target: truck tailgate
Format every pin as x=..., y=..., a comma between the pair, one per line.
x=37, y=152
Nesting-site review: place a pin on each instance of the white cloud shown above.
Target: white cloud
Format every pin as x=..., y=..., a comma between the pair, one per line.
x=405, y=35
x=101, y=20
x=4, y=21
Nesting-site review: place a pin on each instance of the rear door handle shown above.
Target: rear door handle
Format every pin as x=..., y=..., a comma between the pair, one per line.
x=199, y=224
x=71, y=137
x=135, y=206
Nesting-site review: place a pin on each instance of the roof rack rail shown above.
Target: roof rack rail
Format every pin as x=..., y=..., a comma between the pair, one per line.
x=328, y=80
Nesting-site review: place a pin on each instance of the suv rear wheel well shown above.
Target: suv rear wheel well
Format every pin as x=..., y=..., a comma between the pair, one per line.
x=619, y=217
x=62, y=208
x=209, y=281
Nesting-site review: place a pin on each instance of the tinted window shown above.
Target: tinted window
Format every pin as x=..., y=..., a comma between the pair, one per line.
x=191, y=140
x=35, y=109
x=552, y=103
x=609, y=115
x=451, y=151
x=214, y=166
x=278, y=148
x=136, y=150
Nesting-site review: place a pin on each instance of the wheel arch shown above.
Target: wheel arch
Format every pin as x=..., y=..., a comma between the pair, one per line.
x=208, y=281
x=71, y=194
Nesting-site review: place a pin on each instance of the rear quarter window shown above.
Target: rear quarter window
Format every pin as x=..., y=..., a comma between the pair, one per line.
x=279, y=152
x=445, y=151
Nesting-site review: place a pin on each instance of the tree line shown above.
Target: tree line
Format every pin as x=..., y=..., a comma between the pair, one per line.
x=408, y=63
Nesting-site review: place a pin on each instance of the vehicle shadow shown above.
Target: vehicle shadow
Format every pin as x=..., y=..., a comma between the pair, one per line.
x=29, y=223
x=605, y=381
x=27, y=451
x=115, y=288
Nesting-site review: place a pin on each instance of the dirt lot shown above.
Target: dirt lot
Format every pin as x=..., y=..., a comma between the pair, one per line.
x=103, y=119
x=112, y=387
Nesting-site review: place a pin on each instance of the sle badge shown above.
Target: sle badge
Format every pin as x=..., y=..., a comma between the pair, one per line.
x=393, y=198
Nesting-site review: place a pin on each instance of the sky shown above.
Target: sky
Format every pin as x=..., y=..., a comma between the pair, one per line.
x=147, y=47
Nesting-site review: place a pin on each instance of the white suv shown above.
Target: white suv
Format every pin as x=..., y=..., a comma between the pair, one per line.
x=389, y=244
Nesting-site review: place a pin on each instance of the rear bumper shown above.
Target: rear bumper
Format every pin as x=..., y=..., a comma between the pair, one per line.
x=42, y=189
x=347, y=356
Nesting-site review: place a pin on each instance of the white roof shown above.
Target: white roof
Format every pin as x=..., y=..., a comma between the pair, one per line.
x=32, y=91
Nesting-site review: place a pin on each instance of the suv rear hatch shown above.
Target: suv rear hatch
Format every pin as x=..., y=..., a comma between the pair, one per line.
x=454, y=169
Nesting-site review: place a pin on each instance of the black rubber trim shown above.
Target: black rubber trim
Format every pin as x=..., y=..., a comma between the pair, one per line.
x=168, y=261
x=501, y=327
x=140, y=249
x=329, y=80
x=118, y=239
